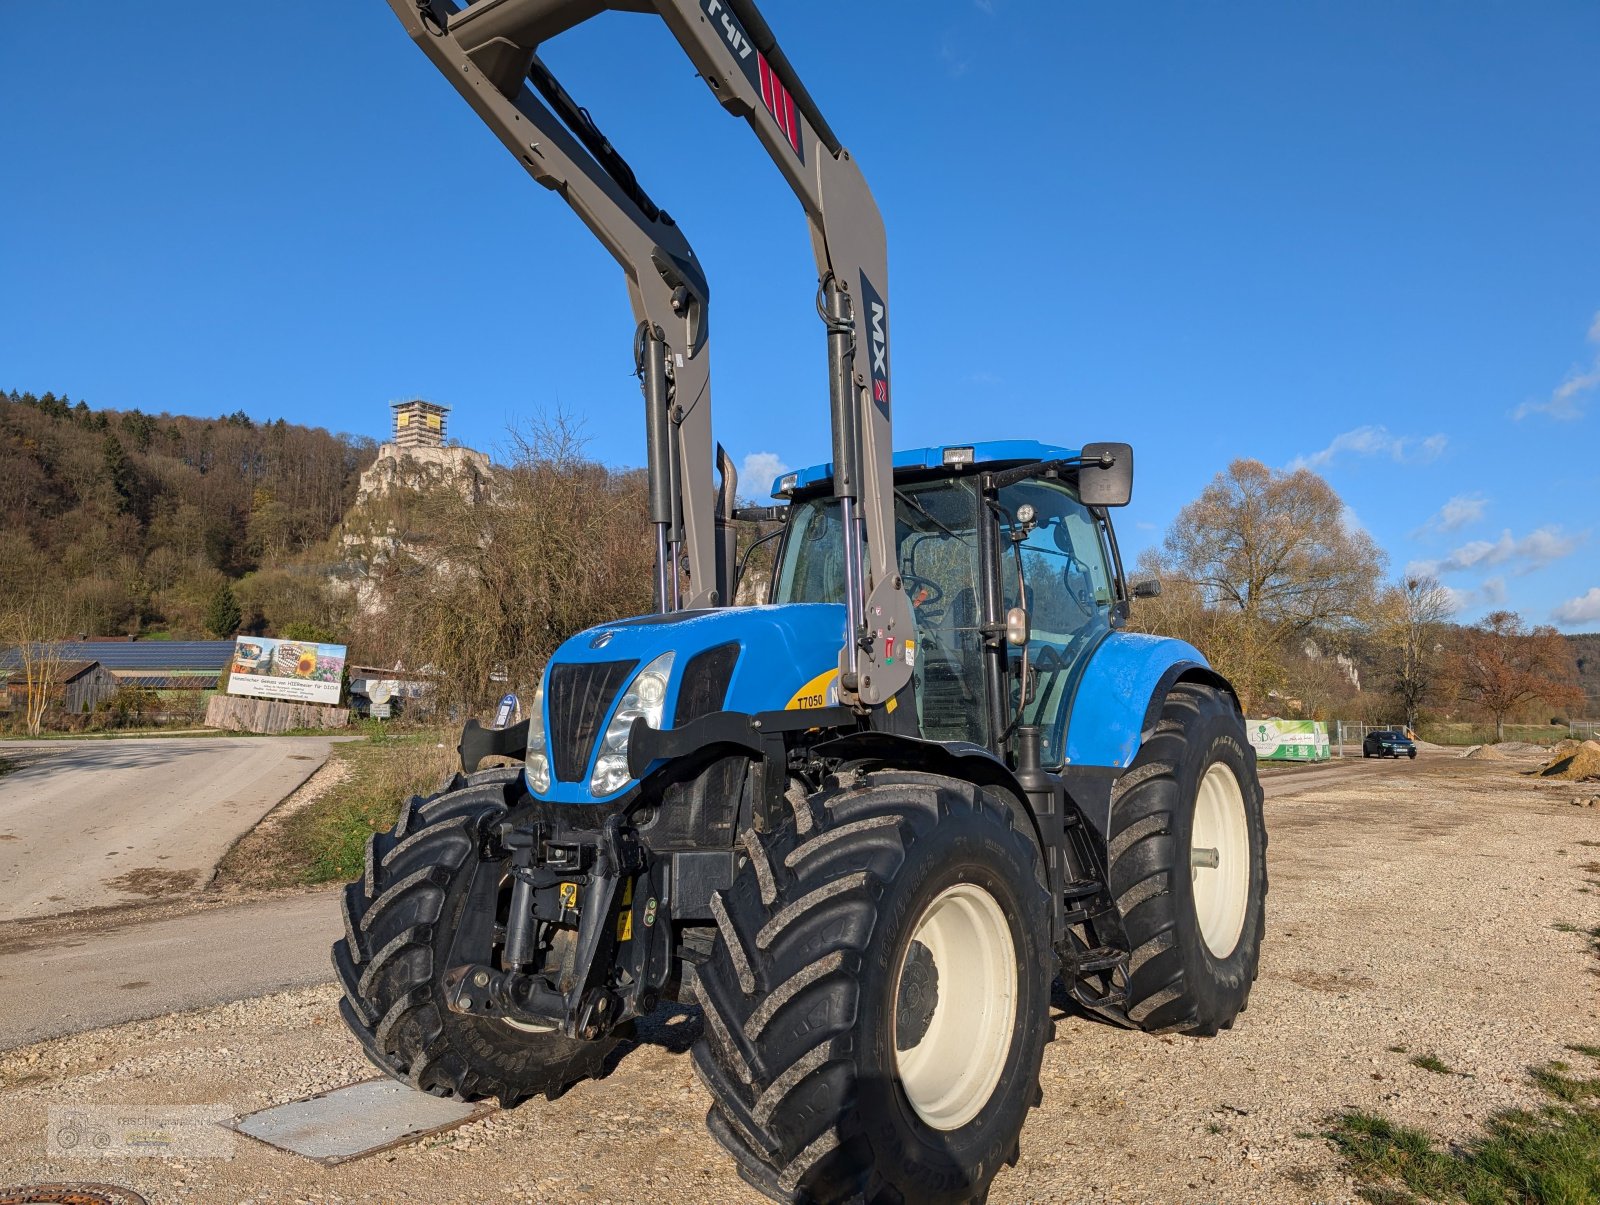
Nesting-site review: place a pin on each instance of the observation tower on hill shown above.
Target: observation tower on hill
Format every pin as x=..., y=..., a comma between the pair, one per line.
x=418, y=424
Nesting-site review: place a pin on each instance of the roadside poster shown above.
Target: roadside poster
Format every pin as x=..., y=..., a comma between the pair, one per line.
x=1289, y=740
x=296, y=670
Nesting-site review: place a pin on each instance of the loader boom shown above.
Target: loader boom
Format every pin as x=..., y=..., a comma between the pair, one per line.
x=488, y=49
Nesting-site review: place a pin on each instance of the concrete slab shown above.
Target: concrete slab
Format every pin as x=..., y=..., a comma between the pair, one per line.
x=356, y=1120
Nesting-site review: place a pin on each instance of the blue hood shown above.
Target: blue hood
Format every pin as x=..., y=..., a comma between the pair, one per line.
x=787, y=657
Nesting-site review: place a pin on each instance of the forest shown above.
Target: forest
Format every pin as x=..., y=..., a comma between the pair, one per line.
x=145, y=524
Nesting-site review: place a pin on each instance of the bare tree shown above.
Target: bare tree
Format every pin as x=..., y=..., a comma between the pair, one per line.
x=1412, y=615
x=34, y=624
x=1502, y=664
x=1262, y=556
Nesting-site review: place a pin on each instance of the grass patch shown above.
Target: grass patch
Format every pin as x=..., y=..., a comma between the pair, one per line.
x=6, y=766
x=1549, y=1155
x=1432, y=1062
x=385, y=770
x=325, y=840
x=1397, y=1050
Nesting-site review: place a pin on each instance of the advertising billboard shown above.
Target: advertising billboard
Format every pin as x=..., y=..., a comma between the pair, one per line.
x=1289, y=740
x=296, y=670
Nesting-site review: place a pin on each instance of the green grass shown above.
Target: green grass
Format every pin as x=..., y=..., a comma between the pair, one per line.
x=1546, y=1156
x=1484, y=734
x=1432, y=1062
x=327, y=841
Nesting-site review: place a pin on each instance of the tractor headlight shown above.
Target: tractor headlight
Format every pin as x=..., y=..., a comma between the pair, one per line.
x=538, y=761
x=643, y=699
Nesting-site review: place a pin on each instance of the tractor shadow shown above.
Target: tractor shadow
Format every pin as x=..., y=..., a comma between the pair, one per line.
x=673, y=1027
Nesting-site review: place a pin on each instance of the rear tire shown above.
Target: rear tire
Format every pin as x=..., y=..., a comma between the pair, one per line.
x=1187, y=854
x=399, y=923
x=876, y=1002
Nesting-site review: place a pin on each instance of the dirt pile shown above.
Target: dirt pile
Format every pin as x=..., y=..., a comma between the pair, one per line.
x=1484, y=753
x=1580, y=764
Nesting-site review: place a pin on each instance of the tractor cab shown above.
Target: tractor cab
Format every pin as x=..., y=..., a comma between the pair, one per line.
x=1013, y=581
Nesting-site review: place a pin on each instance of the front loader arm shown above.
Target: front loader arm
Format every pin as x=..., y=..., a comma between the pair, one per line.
x=488, y=47
x=737, y=55
x=554, y=140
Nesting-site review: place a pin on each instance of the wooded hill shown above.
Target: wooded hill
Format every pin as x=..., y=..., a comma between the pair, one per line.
x=1587, y=650
x=134, y=521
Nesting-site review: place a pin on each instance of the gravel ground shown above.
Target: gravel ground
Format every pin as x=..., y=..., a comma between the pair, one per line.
x=1411, y=908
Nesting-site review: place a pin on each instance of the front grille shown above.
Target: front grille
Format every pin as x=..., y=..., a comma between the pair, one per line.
x=581, y=696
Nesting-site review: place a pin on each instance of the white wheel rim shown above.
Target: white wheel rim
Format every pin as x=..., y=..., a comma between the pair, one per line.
x=1219, y=859
x=951, y=1070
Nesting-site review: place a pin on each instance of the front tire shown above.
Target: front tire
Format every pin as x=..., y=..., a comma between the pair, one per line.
x=400, y=921
x=1187, y=854
x=876, y=1002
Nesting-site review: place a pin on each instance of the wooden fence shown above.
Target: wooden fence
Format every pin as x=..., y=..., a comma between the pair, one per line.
x=237, y=714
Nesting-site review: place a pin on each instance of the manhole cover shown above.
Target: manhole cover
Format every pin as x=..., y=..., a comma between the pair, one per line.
x=69, y=1194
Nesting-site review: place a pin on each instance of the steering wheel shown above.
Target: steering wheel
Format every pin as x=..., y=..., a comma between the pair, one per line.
x=927, y=596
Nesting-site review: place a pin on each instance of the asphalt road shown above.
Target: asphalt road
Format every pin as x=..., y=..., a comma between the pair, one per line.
x=67, y=976
x=90, y=823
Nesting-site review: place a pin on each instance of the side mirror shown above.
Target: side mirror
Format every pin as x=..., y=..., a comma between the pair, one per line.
x=1148, y=587
x=1106, y=476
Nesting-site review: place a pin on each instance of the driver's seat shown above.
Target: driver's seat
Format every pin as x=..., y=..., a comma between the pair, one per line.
x=949, y=681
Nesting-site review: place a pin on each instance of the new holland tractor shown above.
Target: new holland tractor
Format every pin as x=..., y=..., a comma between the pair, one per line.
x=867, y=827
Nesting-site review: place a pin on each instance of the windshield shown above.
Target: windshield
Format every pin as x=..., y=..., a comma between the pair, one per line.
x=937, y=541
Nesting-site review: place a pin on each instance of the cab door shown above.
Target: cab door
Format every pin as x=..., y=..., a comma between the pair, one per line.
x=1070, y=598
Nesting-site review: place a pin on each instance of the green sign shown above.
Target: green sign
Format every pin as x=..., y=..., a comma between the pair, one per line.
x=1289, y=740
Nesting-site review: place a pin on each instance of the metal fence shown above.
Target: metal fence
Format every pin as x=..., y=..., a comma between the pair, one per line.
x=1345, y=736
x=1584, y=730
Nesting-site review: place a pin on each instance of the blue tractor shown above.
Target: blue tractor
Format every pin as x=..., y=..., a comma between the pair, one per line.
x=867, y=826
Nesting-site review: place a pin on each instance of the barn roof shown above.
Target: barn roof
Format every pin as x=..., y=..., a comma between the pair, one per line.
x=159, y=656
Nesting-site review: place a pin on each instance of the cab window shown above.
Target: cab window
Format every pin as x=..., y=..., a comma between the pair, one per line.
x=1070, y=597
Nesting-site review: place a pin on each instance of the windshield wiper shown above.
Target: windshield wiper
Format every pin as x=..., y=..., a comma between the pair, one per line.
x=925, y=513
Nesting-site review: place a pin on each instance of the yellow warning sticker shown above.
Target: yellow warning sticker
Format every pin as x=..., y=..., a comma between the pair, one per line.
x=625, y=918
x=569, y=895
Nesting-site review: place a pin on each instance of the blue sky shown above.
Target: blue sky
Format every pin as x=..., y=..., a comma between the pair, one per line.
x=1359, y=236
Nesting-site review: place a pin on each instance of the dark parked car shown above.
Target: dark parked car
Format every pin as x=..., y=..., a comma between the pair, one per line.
x=1388, y=744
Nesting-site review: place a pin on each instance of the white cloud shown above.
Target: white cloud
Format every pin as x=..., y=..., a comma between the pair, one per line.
x=1533, y=551
x=1564, y=402
x=758, y=472
x=1456, y=514
x=1375, y=441
x=1350, y=521
x=953, y=56
x=1491, y=594
x=1586, y=607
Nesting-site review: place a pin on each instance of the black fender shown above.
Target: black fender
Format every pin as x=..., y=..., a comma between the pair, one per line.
x=1182, y=671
